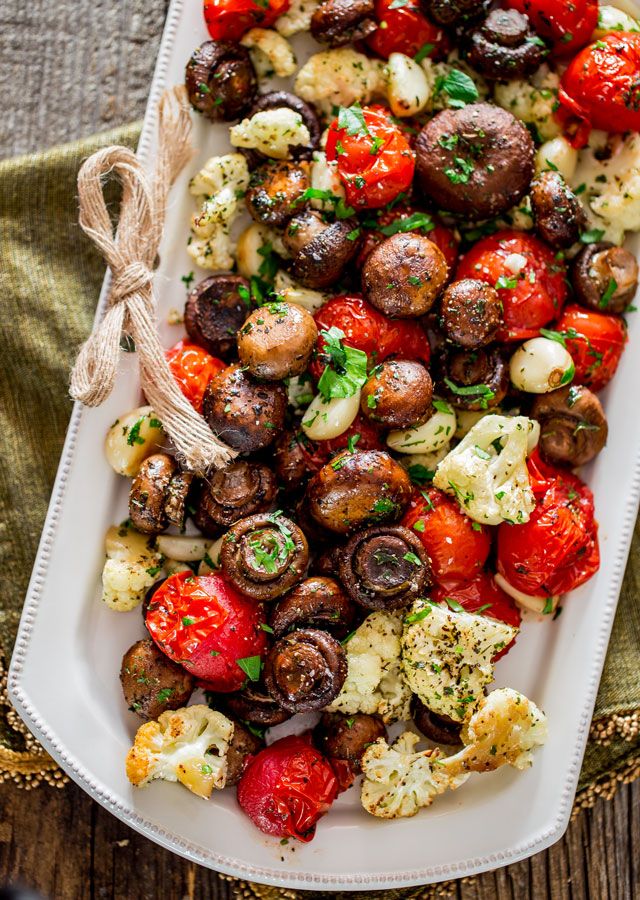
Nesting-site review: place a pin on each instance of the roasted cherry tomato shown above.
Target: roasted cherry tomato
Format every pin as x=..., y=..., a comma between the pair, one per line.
x=557, y=549
x=403, y=29
x=209, y=628
x=595, y=341
x=372, y=332
x=568, y=25
x=193, y=368
x=386, y=223
x=361, y=435
x=601, y=87
x=532, y=295
x=374, y=160
x=228, y=20
x=457, y=546
x=482, y=595
x=287, y=787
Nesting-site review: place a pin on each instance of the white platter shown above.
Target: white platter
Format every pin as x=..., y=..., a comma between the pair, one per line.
x=64, y=672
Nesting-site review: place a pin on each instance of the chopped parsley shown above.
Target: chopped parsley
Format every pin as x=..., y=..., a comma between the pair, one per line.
x=460, y=88
x=351, y=118
x=610, y=290
x=251, y=666
x=346, y=370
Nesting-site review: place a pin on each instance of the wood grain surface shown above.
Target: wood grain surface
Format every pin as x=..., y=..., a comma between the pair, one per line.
x=69, y=68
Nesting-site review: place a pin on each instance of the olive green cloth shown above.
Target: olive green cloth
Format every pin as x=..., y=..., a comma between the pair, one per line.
x=50, y=277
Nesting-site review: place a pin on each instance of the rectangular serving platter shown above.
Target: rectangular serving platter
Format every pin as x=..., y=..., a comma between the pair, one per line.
x=64, y=681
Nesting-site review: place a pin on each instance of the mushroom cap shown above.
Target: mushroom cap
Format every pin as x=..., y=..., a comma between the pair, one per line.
x=277, y=341
x=573, y=426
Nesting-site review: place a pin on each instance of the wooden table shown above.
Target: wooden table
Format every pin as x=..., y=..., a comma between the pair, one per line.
x=95, y=59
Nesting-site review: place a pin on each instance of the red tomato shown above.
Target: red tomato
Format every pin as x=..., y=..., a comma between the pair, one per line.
x=206, y=626
x=228, y=20
x=601, y=87
x=366, y=329
x=568, y=25
x=595, y=341
x=533, y=297
x=193, y=368
x=403, y=29
x=287, y=787
x=458, y=548
x=557, y=549
x=318, y=453
x=375, y=161
x=444, y=238
x=482, y=594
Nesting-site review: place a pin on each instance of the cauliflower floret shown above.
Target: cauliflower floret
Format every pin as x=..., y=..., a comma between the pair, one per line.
x=324, y=177
x=217, y=186
x=272, y=132
x=503, y=731
x=374, y=681
x=188, y=745
x=131, y=567
x=612, y=183
x=532, y=101
x=292, y=292
x=340, y=78
x=271, y=53
x=487, y=471
x=297, y=17
x=446, y=656
x=398, y=781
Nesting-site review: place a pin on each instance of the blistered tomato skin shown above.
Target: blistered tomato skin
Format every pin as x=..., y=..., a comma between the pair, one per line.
x=529, y=279
x=287, y=787
x=193, y=368
x=403, y=29
x=458, y=548
x=206, y=626
x=568, y=26
x=374, y=160
x=228, y=20
x=595, y=342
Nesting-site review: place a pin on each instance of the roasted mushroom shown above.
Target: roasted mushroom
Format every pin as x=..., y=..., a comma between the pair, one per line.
x=385, y=567
x=475, y=379
x=476, y=161
x=453, y=12
x=339, y=22
x=504, y=46
x=305, y=670
x=158, y=494
x=471, y=313
x=358, y=489
x=244, y=414
x=252, y=704
x=347, y=737
x=315, y=603
x=264, y=556
x=557, y=212
x=151, y=682
x=290, y=462
x=605, y=277
x=398, y=394
x=320, y=251
x=215, y=310
x=327, y=563
x=403, y=276
x=573, y=426
x=274, y=190
x=221, y=80
x=439, y=729
x=277, y=340
x=240, y=490
x=279, y=100
x=243, y=745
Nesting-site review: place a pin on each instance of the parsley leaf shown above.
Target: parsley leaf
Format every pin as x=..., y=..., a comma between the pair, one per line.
x=346, y=371
x=460, y=88
x=417, y=221
x=423, y=52
x=351, y=118
x=610, y=290
x=251, y=666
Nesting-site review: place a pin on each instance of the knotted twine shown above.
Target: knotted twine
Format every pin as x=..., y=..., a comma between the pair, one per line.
x=131, y=305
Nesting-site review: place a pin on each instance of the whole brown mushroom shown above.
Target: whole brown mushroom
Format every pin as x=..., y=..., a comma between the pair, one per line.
x=475, y=379
x=290, y=462
x=339, y=22
x=385, y=567
x=573, y=426
x=305, y=670
x=317, y=602
x=158, y=494
x=244, y=744
x=274, y=190
x=277, y=341
x=252, y=704
x=264, y=556
x=404, y=275
x=347, y=737
x=439, y=729
x=557, y=212
x=151, y=682
x=320, y=251
x=452, y=12
x=215, y=310
x=220, y=80
x=605, y=277
x=398, y=394
x=471, y=313
x=504, y=46
x=243, y=413
x=235, y=492
x=358, y=489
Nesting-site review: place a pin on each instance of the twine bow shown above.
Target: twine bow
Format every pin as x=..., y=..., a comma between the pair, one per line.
x=131, y=305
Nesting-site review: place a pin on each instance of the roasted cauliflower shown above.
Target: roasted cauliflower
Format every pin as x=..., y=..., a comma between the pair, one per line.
x=218, y=188
x=487, y=471
x=446, y=656
x=272, y=132
x=533, y=101
x=188, y=745
x=374, y=681
x=131, y=567
x=340, y=78
x=297, y=17
x=270, y=52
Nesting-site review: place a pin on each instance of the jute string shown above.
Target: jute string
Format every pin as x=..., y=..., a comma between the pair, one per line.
x=131, y=307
